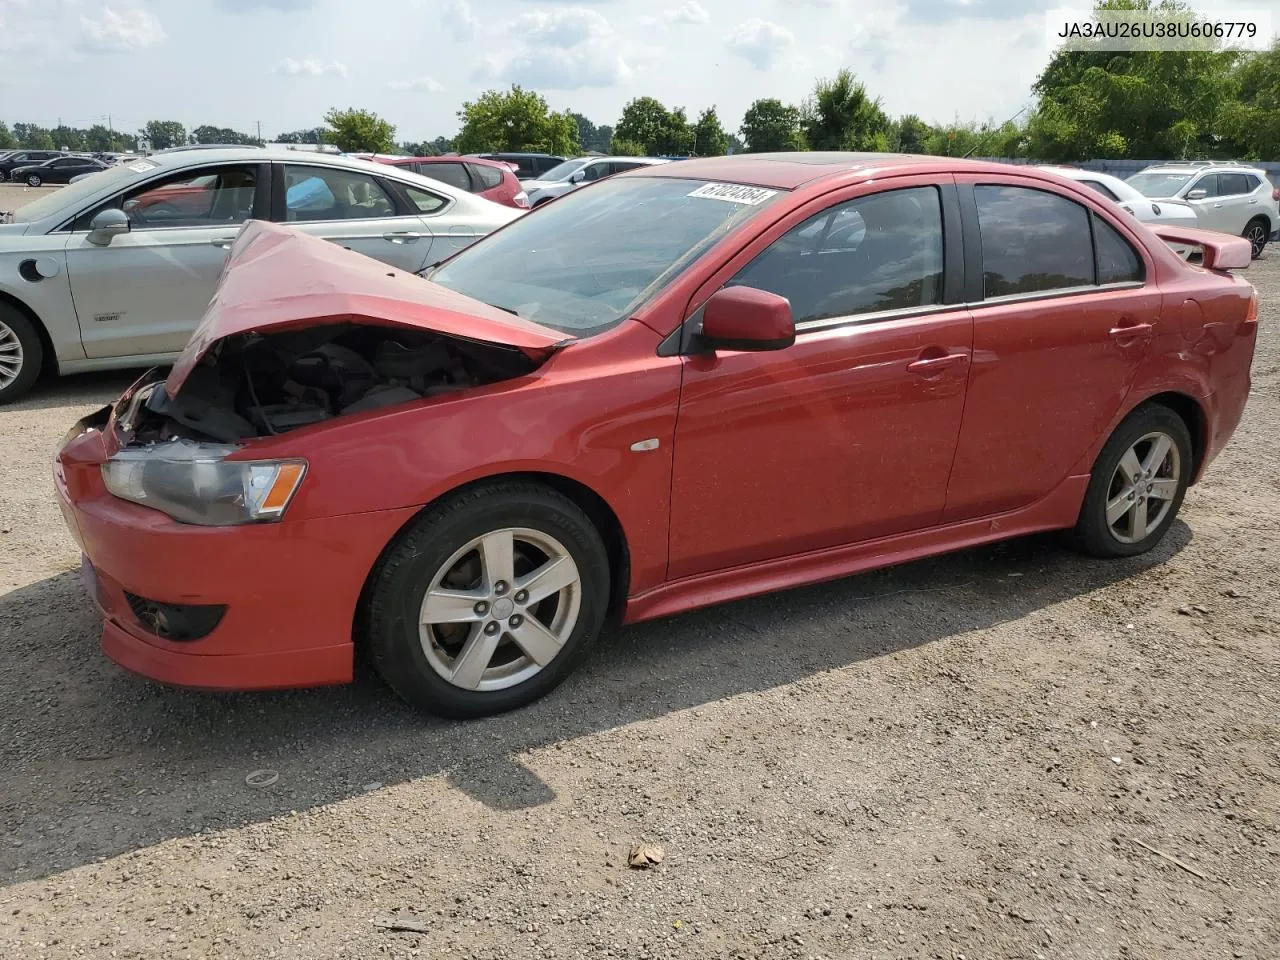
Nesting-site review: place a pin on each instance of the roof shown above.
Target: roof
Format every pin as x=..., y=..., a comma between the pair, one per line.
x=787, y=171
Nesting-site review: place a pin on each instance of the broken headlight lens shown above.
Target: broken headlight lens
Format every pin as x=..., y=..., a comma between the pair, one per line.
x=195, y=483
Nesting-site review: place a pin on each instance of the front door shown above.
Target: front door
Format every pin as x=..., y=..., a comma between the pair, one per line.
x=1064, y=319
x=145, y=291
x=356, y=210
x=848, y=434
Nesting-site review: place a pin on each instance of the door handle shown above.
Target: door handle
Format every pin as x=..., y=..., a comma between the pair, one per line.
x=1217, y=205
x=1254, y=200
x=223, y=242
x=1131, y=331
x=404, y=236
x=931, y=365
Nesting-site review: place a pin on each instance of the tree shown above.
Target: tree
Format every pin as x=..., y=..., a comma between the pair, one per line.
x=1141, y=103
x=626, y=148
x=590, y=136
x=7, y=139
x=33, y=137
x=164, y=134
x=911, y=133
x=769, y=125
x=840, y=116
x=211, y=134
x=709, y=138
x=662, y=132
x=514, y=120
x=359, y=131
x=443, y=145
x=1254, y=120
x=68, y=138
x=314, y=135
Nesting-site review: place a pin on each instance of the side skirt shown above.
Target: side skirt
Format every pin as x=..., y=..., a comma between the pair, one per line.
x=1056, y=511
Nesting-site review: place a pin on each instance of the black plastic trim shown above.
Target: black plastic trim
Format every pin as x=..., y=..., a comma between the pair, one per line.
x=973, y=286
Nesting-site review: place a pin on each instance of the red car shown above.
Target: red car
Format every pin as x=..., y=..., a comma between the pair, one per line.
x=488, y=178
x=688, y=384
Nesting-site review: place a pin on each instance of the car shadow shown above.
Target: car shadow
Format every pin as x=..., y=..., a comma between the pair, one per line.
x=98, y=762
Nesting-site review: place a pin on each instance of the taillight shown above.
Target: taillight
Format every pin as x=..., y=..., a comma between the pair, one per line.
x=1275, y=194
x=1251, y=312
x=521, y=199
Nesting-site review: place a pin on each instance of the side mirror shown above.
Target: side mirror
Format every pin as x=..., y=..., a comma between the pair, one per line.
x=744, y=318
x=1197, y=194
x=577, y=176
x=107, y=224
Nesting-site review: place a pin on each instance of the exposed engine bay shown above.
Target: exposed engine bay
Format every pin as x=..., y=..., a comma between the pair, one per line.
x=255, y=385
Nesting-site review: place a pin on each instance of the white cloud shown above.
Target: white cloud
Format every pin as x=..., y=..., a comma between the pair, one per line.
x=563, y=49
x=131, y=29
x=691, y=12
x=759, y=42
x=462, y=23
x=416, y=85
x=311, y=67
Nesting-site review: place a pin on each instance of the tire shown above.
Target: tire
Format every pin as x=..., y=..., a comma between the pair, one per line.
x=446, y=548
x=1257, y=232
x=1162, y=484
x=33, y=180
x=21, y=354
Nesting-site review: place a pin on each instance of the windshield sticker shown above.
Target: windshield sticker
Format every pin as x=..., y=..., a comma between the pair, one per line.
x=734, y=193
x=142, y=166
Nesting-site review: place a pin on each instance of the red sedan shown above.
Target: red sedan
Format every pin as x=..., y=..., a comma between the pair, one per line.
x=687, y=384
x=489, y=178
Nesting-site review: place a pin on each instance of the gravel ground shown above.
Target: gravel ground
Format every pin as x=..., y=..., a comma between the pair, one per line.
x=1012, y=752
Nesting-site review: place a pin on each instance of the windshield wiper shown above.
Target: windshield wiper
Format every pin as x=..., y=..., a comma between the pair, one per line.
x=498, y=306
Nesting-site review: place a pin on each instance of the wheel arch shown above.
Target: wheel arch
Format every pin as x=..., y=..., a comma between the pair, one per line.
x=1189, y=409
x=49, y=363
x=597, y=509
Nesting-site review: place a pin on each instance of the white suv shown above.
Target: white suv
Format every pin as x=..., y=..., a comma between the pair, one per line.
x=1231, y=197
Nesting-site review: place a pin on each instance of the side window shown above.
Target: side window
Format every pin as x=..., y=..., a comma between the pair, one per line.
x=487, y=177
x=194, y=198
x=879, y=252
x=1209, y=184
x=423, y=200
x=454, y=174
x=67, y=162
x=1118, y=262
x=1251, y=182
x=596, y=171
x=1032, y=240
x=620, y=165
x=1233, y=184
x=1102, y=188
x=322, y=193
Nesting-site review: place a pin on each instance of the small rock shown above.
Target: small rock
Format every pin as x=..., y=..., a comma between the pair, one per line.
x=644, y=855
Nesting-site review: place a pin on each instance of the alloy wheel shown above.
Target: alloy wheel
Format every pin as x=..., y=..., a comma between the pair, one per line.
x=33, y=181
x=1256, y=234
x=10, y=355
x=500, y=609
x=1143, y=487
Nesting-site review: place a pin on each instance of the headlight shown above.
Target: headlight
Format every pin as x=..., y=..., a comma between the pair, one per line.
x=195, y=483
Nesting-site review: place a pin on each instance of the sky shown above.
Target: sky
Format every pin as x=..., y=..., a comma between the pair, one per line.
x=283, y=63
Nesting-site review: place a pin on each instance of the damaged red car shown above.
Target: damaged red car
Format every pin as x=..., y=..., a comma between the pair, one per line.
x=684, y=385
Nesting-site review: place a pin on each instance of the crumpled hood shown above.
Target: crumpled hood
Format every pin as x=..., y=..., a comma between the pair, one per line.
x=276, y=277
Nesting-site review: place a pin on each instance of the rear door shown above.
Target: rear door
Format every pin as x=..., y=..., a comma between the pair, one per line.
x=1240, y=199
x=1210, y=210
x=144, y=292
x=358, y=210
x=1063, y=316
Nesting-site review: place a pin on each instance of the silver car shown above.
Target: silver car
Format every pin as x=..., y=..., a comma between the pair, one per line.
x=115, y=270
x=578, y=172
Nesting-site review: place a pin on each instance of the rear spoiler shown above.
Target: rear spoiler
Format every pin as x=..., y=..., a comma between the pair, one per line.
x=1221, y=251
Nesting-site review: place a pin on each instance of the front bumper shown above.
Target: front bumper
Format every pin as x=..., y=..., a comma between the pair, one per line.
x=290, y=589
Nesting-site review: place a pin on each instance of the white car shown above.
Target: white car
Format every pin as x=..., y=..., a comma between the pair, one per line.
x=1230, y=197
x=115, y=270
x=1174, y=213
x=578, y=172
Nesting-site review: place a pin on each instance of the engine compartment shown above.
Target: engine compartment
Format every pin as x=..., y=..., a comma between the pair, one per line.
x=255, y=385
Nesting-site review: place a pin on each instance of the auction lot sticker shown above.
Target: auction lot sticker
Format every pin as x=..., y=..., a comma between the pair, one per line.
x=734, y=193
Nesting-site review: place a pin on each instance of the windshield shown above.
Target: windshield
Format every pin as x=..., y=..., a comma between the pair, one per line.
x=1159, y=184
x=70, y=197
x=581, y=265
x=563, y=171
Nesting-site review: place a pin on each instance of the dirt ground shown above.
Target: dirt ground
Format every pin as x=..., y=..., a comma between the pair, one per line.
x=1012, y=752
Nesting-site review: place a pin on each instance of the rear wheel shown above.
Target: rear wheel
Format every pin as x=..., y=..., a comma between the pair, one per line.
x=488, y=600
x=33, y=180
x=1257, y=233
x=21, y=354
x=1137, y=486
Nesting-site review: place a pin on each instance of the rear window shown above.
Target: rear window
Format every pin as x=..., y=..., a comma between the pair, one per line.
x=1235, y=184
x=1032, y=240
x=488, y=177
x=454, y=174
x=1118, y=262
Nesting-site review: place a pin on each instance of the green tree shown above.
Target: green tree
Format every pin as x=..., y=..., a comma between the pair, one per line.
x=164, y=134
x=443, y=145
x=1142, y=103
x=1253, y=120
x=314, y=135
x=7, y=140
x=911, y=132
x=709, y=137
x=662, y=132
x=515, y=119
x=68, y=137
x=33, y=137
x=769, y=126
x=359, y=131
x=840, y=116
x=211, y=134
x=592, y=137
x=626, y=148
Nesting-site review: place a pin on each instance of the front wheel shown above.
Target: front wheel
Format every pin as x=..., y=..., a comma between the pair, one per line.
x=488, y=600
x=21, y=354
x=1137, y=485
x=1257, y=233
x=33, y=180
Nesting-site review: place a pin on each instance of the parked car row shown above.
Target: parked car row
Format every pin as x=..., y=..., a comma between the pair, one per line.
x=686, y=384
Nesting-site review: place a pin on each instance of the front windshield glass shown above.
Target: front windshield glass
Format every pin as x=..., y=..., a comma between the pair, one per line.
x=70, y=197
x=1158, y=184
x=563, y=171
x=582, y=264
